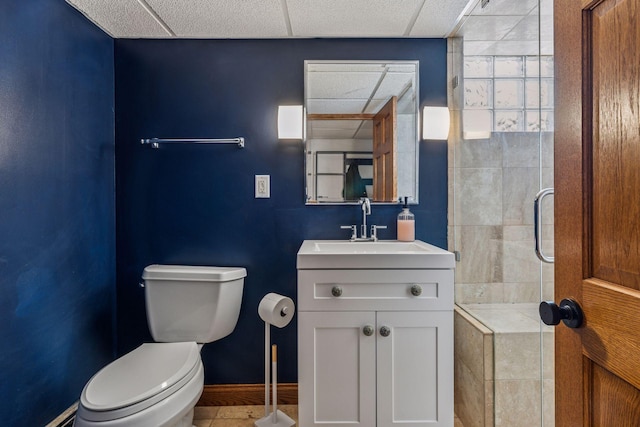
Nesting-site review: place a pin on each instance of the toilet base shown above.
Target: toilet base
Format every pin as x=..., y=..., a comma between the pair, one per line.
x=186, y=421
x=283, y=421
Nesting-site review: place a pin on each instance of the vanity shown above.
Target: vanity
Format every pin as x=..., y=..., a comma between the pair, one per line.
x=375, y=334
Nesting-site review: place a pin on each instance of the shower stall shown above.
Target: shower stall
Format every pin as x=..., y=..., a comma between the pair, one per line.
x=500, y=157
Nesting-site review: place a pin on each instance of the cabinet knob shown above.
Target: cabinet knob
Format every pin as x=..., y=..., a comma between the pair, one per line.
x=336, y=291
x=416, y=290
x=385, y=331
x=368, y=330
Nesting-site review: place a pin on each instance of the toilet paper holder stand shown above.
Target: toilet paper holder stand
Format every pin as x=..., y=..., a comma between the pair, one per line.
x=275, y=418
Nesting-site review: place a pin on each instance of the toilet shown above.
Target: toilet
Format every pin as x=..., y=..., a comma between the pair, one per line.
x=158, y=384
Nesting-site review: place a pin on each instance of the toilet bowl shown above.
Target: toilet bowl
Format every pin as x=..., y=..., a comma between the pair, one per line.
x=158, y=384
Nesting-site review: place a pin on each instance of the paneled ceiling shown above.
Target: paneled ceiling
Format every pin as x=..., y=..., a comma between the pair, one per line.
x=240, y=19
x=357, y=87
x=489, y=27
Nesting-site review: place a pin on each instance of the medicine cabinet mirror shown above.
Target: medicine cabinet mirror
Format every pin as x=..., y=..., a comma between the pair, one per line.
x=361, y=131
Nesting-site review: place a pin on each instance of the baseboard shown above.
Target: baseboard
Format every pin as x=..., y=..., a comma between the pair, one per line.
x=245, y=394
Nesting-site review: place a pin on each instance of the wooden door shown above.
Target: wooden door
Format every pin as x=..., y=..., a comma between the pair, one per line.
x=336, y=369
x=385, y=172
x=597, y=210
x=415, y=369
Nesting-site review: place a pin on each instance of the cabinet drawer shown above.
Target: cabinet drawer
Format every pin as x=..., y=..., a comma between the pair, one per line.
x=340, y=290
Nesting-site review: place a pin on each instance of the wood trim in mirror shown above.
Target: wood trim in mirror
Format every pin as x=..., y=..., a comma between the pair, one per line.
x=340, y=116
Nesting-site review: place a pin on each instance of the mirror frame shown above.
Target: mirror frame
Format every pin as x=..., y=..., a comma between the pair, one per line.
x=414, y=199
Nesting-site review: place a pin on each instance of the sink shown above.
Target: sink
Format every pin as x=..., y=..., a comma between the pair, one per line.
x=387, y=254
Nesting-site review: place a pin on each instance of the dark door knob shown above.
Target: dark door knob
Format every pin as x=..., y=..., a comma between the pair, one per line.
x=569, y=312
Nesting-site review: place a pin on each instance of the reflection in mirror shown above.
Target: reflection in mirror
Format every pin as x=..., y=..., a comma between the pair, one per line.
x=361, y=136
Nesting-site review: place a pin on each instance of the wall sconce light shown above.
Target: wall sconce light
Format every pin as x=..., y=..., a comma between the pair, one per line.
x=290, y=122
x=435, y=123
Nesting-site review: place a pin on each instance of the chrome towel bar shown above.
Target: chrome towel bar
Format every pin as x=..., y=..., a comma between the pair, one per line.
x=155, y=142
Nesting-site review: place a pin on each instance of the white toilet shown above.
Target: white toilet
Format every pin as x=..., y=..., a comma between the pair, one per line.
x=158, y=384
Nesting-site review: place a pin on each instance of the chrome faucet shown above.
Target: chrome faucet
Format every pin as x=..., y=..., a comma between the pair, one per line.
x=366, y=210
x=365, y=205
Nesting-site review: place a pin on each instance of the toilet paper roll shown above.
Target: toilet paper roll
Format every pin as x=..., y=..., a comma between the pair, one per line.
x=276, y=309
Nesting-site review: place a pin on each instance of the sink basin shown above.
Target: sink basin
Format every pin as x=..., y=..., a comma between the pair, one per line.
x=387, y=254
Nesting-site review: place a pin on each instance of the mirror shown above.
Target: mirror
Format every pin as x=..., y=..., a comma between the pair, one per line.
x=361, y=131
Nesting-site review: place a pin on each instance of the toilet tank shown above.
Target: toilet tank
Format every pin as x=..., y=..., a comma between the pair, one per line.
x=192, y=303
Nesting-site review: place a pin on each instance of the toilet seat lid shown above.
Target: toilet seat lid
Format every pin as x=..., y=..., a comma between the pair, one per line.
x=147, y=371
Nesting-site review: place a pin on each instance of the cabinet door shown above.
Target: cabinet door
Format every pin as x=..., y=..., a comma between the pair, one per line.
x=336, y=369
x=415, y=369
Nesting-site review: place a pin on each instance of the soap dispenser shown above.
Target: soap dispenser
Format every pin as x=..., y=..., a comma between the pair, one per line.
x=406, y=224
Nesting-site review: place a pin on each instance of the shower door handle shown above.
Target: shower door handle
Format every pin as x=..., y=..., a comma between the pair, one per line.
x=537, y=224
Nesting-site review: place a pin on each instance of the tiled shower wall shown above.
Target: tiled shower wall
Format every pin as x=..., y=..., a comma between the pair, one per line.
x=493, y=180
x=493, y=184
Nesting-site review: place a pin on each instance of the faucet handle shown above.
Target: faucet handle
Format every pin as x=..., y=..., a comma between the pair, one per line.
x=353, y=228
x=374, y=231
x=366, y=205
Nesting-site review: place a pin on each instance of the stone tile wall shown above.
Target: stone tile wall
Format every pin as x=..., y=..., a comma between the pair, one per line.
x=492, y=187
x=499, y=374
x=473, y=371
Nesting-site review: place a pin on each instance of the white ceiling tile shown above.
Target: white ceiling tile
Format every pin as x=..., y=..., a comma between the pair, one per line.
x=340, y=129
x=437, y=18
x=357, y=87
x=332, y=129
x=345, y=125
x=342, y=66
x=223, y=18
x=394, y=84
x=506, y=7
x=483, y=30
x=532, y=27
x=375, y=105
x=351, y=18
x=121, y=18
x=478, y=28
x=342, y=85
x=366, y=131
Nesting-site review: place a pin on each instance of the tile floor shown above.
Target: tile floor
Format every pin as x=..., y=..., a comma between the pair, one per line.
x=244, y=416
x=235, y=416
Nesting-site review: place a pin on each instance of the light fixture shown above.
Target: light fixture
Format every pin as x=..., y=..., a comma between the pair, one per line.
x=435, y=123
x=290, y=122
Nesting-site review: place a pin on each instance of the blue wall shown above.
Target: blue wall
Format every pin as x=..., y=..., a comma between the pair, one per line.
x=57, y=232
x=187, y=204
x=195, y=204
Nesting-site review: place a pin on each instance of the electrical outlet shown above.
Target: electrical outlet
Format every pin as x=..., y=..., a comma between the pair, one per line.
x=263, y=186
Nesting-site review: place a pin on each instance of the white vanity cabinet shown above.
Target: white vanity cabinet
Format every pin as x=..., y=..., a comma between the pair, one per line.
x=375, y=347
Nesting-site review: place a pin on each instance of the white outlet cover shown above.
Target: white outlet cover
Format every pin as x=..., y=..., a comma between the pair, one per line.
x=263, y=186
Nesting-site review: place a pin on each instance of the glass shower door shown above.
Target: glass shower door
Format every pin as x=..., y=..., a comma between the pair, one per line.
x=501, y=156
